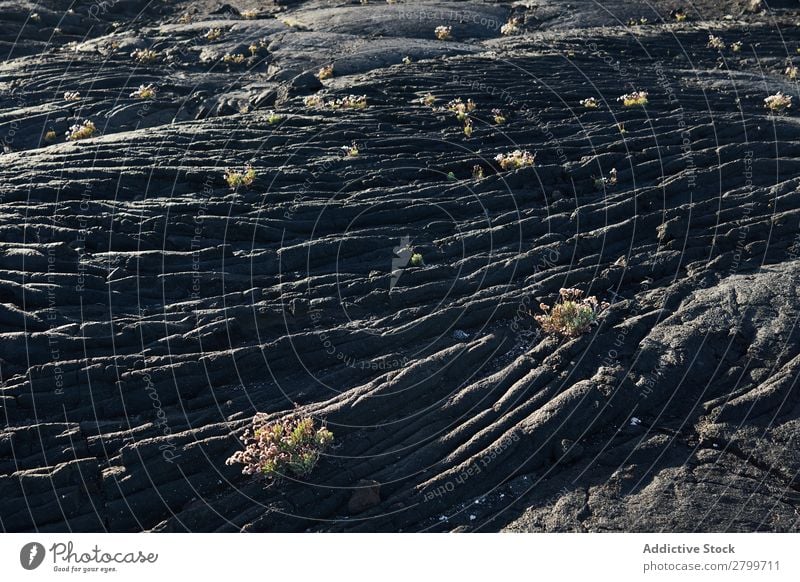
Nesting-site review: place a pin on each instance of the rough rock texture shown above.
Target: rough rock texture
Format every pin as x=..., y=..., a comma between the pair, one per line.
x=148, y=311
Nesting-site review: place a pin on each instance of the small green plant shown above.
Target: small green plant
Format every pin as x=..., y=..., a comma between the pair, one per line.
x=286, y=446
x=428, y=100
x=213, y=34
x=233, y=59
x=515, y=160
x=791, y=72
x=621, y=128
x=461, y=109
x=245, y=177
x=350, y=151
x=451, y=176
x=144, y=56
x=477, y=172
x=72, y=96
x=572, y=315
x=603, y=182
x=325, y=72
x=716, y=43
x=314, y=101
x=511, y=27
x=249, y=14
x=443, y=32
x=468, y=127
x=590, y=103
x=349, y=102
x=257, y=47
x=637, y=98
x=81, y=131
x=145, y=92
x=407, y=60
x=273, y=118
x=498, y=116
x=416, y=260
x=679, y=15
x=50, y=136
x=737, y=46
x=778, y=103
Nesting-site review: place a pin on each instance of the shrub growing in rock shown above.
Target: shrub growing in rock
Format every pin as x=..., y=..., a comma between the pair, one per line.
x=325, y=72
x=286, y=446
x=716, y=42
x=81, y=131
x=572, y=315
x=590, y=103
x=236, y=179
x=515, y=160
x=145, y=92
x=444, y=32
x=144, y=56
x=637, y=98
x=778, y=103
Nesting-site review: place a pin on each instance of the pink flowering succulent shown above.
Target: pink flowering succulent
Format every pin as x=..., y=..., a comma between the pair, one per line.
x=293, y=445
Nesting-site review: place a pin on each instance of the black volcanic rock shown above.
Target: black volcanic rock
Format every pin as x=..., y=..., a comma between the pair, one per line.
x=149, y=310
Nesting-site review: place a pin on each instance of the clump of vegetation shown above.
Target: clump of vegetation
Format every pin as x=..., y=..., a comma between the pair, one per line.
x=791, y=72
x=511, y=27
x=351, y=151
x=72, y=96
x=286, y=446
x=477, y=172
x=637, y=98
x=515, y=160
x=572, y=315
x=621, y=127
x=737, y=46
x=349, y=102
x=233, y=59
x=778, y=103
x=444, y=32
x=145, y=92
x=249, y=14
x=416, y=260
x=603, y=181
x=590, y=103
x=257, y=47
x=498, y=116
x=407, y=60
x=428, y=99
x=325, y=72
x=679, y=15
x=213, y=34
x=314, y=101
x=716, y=42
x=468, y=127
x=273, y=118
x=461, y=109
x=634, y=22
x=236, y=178
x=50, y=136
x=144, y=56
x=81, y=131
